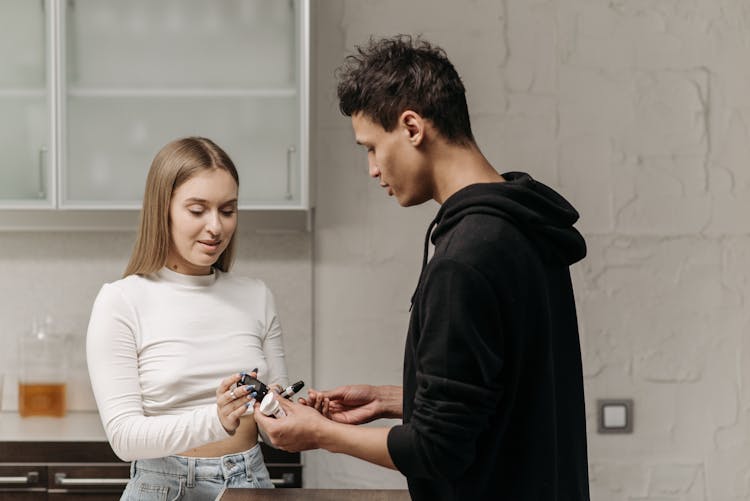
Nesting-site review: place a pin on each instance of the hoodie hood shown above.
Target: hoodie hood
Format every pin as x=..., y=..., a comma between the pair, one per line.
x=541, y=213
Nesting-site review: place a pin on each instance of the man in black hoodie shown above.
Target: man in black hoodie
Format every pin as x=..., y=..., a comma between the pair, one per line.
x=492, y=398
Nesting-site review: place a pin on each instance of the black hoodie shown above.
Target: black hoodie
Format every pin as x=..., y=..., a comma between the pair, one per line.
x=493, y=387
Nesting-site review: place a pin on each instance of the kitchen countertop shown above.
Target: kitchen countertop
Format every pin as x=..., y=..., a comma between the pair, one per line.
x=74, y=427
x=314, y=494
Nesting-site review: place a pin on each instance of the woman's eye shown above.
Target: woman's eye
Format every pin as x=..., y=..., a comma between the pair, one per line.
x=228, y=212
x=196, y=212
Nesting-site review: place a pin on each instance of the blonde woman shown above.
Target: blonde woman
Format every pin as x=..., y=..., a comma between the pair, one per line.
x=163, y=340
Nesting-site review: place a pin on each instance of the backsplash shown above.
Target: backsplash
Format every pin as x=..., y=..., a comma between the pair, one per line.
x=60, y=273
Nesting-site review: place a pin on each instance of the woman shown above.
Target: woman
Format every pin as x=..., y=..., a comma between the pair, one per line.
x=161, y=338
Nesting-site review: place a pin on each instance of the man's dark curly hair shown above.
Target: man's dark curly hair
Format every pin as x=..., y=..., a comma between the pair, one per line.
x=390, y=75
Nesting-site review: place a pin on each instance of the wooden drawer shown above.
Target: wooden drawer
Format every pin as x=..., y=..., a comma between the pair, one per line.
x=87, y=480
x=21, y=476
x=91, y=471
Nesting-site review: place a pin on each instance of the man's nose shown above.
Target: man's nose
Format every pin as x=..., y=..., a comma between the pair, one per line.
x=374, y=170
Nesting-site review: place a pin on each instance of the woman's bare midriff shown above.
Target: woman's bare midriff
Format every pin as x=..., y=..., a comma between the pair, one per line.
x=245, y=437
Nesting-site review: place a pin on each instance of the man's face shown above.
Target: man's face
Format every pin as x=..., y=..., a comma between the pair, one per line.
x=392, y=158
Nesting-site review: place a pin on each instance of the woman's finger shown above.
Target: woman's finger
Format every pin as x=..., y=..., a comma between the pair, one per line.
x=242, y=408
x=240, y=395
x=227, y=383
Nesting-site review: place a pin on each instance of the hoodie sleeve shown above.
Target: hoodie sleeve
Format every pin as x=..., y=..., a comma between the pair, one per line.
x=459, y=358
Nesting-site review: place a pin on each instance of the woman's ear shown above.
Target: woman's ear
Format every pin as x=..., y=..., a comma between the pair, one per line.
x=413, y=126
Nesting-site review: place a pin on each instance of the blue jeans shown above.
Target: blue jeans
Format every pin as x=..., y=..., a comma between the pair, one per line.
x=187, y=478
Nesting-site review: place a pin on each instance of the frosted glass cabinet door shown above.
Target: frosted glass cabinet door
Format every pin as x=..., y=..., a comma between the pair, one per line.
x=25, y=110
x=140, y=73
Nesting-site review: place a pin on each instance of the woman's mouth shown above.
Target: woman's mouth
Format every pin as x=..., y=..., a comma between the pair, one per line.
x=210, y=245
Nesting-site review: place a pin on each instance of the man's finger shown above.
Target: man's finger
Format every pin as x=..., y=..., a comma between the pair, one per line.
x=285, y=403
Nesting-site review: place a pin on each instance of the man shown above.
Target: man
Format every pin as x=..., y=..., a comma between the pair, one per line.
x=492, y=399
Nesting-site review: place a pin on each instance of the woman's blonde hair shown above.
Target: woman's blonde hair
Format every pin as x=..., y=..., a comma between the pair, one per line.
x=175, y=163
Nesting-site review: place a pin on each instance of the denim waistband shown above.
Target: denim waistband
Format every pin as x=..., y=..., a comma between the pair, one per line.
x=193, y=468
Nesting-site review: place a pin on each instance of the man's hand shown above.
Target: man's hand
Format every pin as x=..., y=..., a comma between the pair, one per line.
x=297, y=431
x=303, y=428
x=356, y=404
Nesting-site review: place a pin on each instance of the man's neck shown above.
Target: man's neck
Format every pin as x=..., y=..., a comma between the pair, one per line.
x=456, y=167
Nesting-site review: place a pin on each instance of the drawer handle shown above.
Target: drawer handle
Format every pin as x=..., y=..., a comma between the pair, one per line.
x=61, y=479
x=286, y=479
x=31, y=477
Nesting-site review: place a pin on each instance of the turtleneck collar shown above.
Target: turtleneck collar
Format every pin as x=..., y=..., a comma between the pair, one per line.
x=191, y=280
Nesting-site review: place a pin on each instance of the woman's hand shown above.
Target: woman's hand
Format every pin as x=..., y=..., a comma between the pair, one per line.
x=233, y=402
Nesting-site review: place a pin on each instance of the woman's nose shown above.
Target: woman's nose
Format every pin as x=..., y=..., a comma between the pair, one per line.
x=213, y=225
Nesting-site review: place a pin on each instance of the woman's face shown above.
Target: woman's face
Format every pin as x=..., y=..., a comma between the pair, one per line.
x=202, y=217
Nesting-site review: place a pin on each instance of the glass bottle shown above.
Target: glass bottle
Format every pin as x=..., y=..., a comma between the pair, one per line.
x=42, y=377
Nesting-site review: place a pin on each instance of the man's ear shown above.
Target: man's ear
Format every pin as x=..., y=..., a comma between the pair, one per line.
x=413, y=126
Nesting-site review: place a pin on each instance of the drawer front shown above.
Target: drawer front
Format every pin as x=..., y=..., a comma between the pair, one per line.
x=285, y=476
x=87, y=481
x=272, y=456
x=14, y=478
x=31, y=495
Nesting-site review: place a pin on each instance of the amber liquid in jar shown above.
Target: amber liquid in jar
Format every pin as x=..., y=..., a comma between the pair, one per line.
x=41, y=399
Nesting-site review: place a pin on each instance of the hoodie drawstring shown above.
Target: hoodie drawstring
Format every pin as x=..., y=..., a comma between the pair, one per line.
x=424, y=260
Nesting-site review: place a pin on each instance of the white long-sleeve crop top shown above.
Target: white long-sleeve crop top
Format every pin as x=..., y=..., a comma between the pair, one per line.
x=159, y=345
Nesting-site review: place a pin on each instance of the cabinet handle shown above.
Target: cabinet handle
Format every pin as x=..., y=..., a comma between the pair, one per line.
x=286, y=479
x=289, y=152
x=31, y=477
x=42, y=154
x=60, y=479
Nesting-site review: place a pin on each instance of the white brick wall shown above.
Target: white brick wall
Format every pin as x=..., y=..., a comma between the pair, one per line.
x=638, y=111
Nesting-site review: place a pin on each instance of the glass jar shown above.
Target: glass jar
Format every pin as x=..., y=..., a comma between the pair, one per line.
x=42, y=377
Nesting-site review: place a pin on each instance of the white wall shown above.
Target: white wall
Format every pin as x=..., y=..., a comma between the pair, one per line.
x=638, y=112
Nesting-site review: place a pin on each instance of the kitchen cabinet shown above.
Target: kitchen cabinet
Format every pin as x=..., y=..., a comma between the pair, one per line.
x=26, y=104
x=108, y=83
x=91, y=471
x=61, y=470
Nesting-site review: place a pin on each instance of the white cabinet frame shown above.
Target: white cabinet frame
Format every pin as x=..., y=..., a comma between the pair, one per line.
x=56, y=161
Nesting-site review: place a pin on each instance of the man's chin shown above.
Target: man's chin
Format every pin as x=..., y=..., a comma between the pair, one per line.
x=411, y=202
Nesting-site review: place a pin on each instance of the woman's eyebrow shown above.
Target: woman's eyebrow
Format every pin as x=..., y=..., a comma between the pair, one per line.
x=198, y=200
